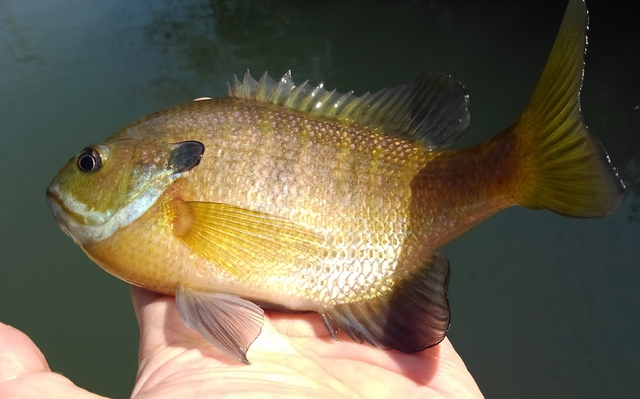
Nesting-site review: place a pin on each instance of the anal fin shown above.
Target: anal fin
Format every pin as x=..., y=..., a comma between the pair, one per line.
x=227, y=321
x=412, y=317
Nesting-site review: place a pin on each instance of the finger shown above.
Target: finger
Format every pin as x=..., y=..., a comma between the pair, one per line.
x=151, y=310
x=25, y=374
x=453, y=376
x=18, y=354
x=142, y=298
x=164, y=339
x=160, y=324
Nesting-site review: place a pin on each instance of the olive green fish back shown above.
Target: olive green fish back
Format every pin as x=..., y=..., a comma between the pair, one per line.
x=432, y=108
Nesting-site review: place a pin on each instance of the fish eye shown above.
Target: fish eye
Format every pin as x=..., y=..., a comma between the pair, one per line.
x=89, y=159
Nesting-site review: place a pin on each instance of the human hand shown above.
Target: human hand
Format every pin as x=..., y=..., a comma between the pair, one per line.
x=294, y=356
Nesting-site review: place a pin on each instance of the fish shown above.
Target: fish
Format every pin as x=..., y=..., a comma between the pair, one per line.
x=294, y=198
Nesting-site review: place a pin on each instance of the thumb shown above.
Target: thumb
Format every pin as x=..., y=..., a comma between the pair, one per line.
x=25, y=374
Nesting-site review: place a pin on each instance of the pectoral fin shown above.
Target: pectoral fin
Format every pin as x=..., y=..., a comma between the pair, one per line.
x=227, y=321
x=240, y=240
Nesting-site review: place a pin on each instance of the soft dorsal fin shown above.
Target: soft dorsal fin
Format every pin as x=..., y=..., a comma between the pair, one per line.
x=432, y=108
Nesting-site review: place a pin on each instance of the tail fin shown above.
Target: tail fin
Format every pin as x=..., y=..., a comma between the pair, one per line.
x=564, y=168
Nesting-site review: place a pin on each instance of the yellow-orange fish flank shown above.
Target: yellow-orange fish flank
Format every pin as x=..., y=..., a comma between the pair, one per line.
x=294, y=198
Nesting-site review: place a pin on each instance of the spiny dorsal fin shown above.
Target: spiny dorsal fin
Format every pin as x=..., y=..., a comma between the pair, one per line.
x=432, y=108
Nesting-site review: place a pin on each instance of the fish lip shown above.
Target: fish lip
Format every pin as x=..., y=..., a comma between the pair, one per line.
x=55, y=205
x=59, y=214
x=63, y=216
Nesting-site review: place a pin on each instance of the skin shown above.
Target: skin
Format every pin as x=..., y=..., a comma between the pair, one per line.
x=293, y=357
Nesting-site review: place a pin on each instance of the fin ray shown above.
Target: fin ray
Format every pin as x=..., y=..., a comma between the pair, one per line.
x=227, y=321
x=565, y=168
x=432, y=109
x=242, y=241
x=412, y=317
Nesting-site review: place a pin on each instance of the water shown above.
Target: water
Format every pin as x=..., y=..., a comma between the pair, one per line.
x=543, y=306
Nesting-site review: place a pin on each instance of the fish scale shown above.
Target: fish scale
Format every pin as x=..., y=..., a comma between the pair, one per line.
x=324, y=210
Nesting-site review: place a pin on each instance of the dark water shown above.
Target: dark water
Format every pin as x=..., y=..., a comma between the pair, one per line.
x=543, y=306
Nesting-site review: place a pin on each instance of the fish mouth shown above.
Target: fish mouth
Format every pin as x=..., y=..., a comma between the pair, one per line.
x=56, y=206
x=75, y=224
x=72, y=222
x=88, y=226
x=60, y=212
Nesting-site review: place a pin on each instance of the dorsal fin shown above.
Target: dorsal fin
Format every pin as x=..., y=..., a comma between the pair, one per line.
x=432, y=108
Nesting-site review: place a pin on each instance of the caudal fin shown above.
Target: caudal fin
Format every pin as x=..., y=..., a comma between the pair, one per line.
x=564, y=168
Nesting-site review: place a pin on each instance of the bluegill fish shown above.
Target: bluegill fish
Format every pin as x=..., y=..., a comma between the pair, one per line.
x=294, y=198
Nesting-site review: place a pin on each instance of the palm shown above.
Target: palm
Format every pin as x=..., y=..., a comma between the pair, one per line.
x=294, y=356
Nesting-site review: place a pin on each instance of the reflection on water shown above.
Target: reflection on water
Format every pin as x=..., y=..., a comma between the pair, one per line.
x=543, y=306
x=209, y=41
x=222, y=35
x=16, y=36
